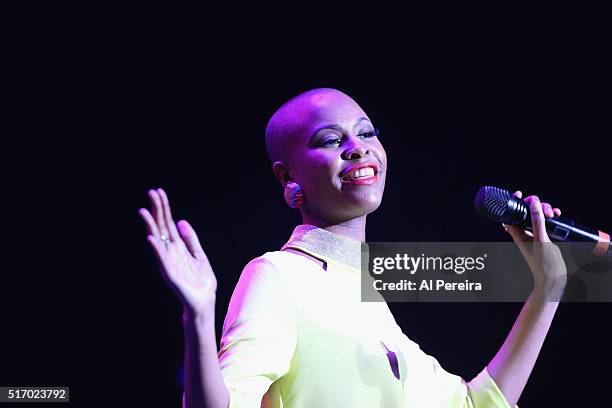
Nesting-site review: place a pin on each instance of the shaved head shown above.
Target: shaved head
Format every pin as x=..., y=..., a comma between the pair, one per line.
x=291, y=120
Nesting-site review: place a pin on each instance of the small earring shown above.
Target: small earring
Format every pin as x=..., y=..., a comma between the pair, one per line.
x=294, y=196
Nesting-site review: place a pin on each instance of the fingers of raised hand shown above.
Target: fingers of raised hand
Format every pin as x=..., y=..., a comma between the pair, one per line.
x=149, y=222
x=167, y=215
x=157, y=245
x=191, y=240
x=158, y=213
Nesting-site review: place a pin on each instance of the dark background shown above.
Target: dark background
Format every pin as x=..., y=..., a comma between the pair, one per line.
x=104, y=104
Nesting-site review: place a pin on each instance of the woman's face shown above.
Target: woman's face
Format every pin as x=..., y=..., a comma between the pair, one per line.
x=337, y=158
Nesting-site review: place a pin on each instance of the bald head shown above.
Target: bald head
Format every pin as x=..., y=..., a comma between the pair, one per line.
x=293, y=119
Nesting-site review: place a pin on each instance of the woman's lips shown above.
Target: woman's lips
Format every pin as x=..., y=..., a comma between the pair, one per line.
x=362, y=180
x=363, y=173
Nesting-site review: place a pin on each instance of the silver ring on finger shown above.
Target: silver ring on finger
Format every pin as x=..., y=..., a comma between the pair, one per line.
x=165, y=239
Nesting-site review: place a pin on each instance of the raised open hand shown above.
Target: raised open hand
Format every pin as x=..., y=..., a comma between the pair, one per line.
x=180, y=257
x=544, y=258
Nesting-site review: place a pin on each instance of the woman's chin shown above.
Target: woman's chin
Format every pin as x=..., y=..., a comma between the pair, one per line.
x=365, y=203
x=372, y=207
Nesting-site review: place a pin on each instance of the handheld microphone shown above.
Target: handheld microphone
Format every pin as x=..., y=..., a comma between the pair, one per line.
x=499, y=205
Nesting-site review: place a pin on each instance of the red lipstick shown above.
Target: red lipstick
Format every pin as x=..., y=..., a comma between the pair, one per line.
x=347, y=174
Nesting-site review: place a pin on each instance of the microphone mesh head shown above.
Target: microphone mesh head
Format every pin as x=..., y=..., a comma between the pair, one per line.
x=492, y=203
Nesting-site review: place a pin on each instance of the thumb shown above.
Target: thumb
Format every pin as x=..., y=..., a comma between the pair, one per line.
x=190, y=238
x=520, y=238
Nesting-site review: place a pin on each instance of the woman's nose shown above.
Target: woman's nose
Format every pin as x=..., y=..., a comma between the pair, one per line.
x=355, y=150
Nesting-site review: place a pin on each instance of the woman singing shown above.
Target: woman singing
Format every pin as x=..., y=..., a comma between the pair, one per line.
x=296, y=333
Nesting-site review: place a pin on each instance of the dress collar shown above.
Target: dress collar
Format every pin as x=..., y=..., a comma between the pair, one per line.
x=325, y=244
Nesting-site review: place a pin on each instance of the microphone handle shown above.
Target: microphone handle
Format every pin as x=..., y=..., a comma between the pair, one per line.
x=565, y=230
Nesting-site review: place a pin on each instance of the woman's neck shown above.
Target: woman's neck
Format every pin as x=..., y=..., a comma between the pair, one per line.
x=353, y=228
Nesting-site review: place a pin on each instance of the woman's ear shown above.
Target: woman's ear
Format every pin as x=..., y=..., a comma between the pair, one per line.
x=281, y=173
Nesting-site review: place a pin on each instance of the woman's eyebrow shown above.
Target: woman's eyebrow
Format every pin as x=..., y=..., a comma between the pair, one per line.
x=361, y=119
x=317, y=130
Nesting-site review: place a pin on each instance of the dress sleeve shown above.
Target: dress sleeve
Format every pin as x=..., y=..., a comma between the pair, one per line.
x=450, y=390
x=483, y=392
x=259, y=335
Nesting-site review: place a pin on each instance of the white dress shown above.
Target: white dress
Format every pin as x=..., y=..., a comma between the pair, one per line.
x=298, y=336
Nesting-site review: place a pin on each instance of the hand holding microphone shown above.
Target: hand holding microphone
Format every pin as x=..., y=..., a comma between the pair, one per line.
x=538, y=224
x=499, y=205
x=543, y=257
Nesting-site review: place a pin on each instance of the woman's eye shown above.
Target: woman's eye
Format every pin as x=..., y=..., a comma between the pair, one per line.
x=329, y=142
x=366, y=135
x=338, y=140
